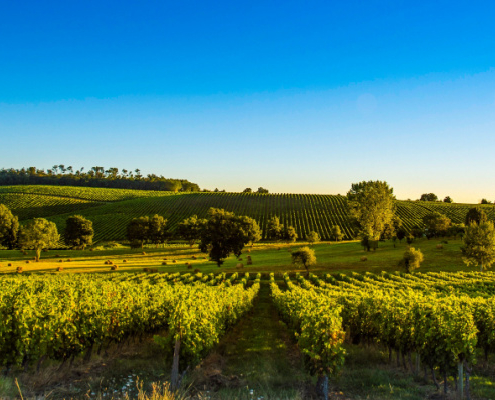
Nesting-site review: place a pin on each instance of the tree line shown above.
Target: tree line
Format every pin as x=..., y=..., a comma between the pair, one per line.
x=94, y=177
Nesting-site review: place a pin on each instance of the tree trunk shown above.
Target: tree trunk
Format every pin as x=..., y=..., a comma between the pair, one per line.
x=434, y=378
x=38, y=254
x=445, y=382
x=468, y=373
x=460, y=373
x=174, y=377
x=322, y=386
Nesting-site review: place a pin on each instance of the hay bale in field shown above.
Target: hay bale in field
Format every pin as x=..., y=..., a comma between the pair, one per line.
x=69, y=260
x=124, y=260
x=9, y=265
x=165, y=259
x=146, y=270
x=196, y=271
x=59, y=269
x=143, y=253
x=57, y=255
x=108, y=262
x=164, y=263
x=114, y=267
x=19, y=269
x=193, y=257
x=174, y=261
x=439, y=246
x=189, y=266
x=60, y=260
x=239, y=265
x=364, y=258
x=239, y=259
x=28, y=262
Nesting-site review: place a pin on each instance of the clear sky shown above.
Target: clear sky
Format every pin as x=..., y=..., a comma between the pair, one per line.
x=294, y=96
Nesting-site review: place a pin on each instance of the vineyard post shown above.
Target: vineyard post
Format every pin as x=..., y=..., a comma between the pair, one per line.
x=174, y=377
x=460, y=372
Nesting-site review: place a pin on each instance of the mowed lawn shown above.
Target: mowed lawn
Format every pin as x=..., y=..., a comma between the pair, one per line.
x=331, y=258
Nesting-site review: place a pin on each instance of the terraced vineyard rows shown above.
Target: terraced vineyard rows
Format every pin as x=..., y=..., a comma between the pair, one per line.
x=112, y=209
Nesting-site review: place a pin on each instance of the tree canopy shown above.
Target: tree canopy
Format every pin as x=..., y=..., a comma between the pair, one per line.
x=225, y=233
x=436, y=224
x=38, y=234
x=190, y=229
x=145, y=229
x=475, y=214
x=274, y=228
x=304, y=257
x=9, y=227
x=78, y=232
x=372, y=206
x=411, y=260
x=479, y=244
x=428, y=197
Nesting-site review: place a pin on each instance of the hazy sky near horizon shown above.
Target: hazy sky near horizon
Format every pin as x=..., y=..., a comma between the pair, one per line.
x=300, y=97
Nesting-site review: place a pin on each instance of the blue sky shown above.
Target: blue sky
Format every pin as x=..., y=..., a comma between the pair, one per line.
x=292, y=96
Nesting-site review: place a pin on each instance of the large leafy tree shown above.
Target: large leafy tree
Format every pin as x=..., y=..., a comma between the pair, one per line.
x=336, y=233
x=225, y=233
x=38, y=234
x=436, y=224
x=138, y=231
x=372, y=206
x=429, y=197
x=78, y=232
x=158, y=233
x=411, y=260
x=274, y=228
x=479, y=245
x=289, y=234
x=9, y=227
x=475, y=214
x=190, y=229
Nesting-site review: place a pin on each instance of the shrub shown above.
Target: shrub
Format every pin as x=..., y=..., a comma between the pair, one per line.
x=412, y=259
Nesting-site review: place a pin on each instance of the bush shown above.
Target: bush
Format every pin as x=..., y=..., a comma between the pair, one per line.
x=412, y=259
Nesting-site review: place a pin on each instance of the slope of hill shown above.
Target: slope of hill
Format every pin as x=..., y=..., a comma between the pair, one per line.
x=111, y=209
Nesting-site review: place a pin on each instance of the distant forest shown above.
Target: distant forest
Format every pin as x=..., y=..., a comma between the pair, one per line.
x=94, y=177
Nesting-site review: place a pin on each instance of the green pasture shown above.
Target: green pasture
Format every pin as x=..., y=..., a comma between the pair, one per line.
x=332, y=257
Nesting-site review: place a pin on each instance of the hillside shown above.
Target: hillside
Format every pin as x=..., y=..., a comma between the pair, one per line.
x=111, y=209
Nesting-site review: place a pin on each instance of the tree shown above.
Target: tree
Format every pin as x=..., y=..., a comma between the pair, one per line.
x=158, y=233
x=411, y=260
x=417, y=232
x=401, y=234
x=289, y=234
x=475, y=214
x=429, y=197
x=313, y=237
x=78, y=232
x=138, y=231
x=436, y=224
x=372, y=206
x=262, y=190
x=9, y=228
x=247, y=190
x=336, y=233
x=225, y=233
x=190, y=229
x=274, y=229
x=448, y=199
x=485, y=201
x=479, y=245
x=38, y=234
x=304, y=257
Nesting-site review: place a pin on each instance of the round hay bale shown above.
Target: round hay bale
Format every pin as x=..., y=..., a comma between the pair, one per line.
x=60, y=260
x=193, y=257
x=143, y=253
x=174, y=261
x=114, y=267
x=19, y=270
x=59, y=269
x=69, y=260
x=364, y=258
x=239, y=265
x=439, y=246
x=124, y=260
x=164, y=263
x=28, y=262
x=9, y=264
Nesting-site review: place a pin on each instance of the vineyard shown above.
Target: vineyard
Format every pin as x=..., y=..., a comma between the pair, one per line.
x=65, y=316
x=110, y=210
x=440, y=318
